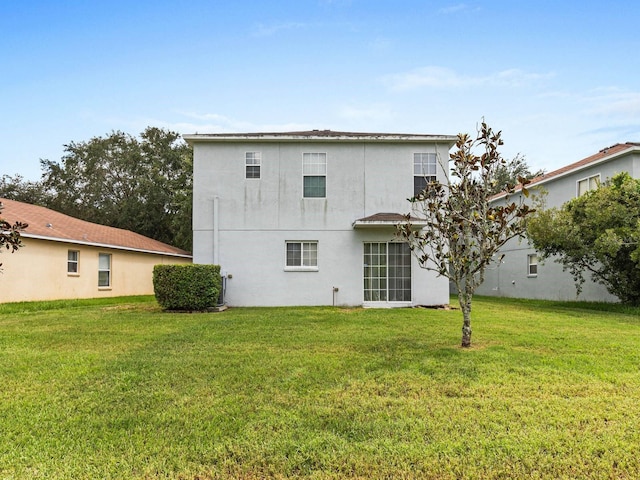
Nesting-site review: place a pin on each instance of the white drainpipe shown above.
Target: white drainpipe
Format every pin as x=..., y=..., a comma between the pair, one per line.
x=216, y=231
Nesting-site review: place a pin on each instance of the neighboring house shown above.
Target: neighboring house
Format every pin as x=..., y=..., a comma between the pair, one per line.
x=308, y=218
x=66, y=258
x=521, y=274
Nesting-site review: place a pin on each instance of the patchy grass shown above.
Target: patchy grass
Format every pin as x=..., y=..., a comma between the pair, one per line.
x=119, y=389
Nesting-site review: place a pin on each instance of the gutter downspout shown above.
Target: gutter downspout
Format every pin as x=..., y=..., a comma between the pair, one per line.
x=216, y=230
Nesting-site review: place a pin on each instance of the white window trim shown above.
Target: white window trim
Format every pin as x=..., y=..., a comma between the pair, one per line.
x=259, y=165
x=422, y=175
x=529, y=265
x=597, y=175
x=302, y=268
x=326, y=168
x=387, y=303
x=106, y=287
x=77, y=262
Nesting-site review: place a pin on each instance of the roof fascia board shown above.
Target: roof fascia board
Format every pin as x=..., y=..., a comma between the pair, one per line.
x=543, y=180
x=102, y=245
x=204, y=138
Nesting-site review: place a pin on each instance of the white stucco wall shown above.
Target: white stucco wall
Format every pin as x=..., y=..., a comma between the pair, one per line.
x=257, y=216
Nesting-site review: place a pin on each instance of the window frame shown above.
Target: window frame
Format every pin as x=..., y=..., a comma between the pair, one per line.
x=530, y=263
x=588, y=179
x=308, y=252
x=307, y=172
x=253, y=161
x=75, y=262
x=101, y=269
x=422, y=176
x=389, y=278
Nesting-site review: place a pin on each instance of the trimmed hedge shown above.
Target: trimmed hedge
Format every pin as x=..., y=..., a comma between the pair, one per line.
x=187, y=287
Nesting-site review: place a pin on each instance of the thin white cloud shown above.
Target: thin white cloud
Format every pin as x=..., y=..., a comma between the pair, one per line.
x=442, y=77
x=217, y=123
x=616, y=102
x=458, y=8
x=269, y=30
x=375, y=112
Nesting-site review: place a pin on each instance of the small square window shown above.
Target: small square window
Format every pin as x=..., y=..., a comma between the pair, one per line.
x=252, y=162
x=73, y=257
x=301, y=255
x=532, y=265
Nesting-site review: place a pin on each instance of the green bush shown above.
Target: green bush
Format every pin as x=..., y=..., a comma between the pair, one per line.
x=187, y=287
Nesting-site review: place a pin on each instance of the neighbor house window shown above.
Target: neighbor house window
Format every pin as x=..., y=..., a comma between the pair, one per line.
x=314, y=175
x=532, y=265
x=424, y=171
x=104, y=270
x=301, y=255
x=587, y=184
x=73, y=257
x=252, y=164
x=387, y=272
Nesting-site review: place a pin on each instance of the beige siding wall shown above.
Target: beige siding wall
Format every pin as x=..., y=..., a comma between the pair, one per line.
x=38, y=271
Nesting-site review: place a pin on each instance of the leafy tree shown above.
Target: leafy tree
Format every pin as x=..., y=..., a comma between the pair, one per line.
x=509, y=173
x=461, y=230
x=141, y=184
x=22, y=190
x=599, y=233
x=10, y=234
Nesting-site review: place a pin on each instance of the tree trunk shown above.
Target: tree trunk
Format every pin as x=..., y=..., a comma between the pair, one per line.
x=465, y=305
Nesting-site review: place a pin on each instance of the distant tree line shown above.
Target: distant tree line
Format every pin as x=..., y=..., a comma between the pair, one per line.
x=140, y=184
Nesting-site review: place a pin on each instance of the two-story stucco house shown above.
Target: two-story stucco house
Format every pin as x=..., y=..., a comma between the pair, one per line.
x=308, y=218
x=520, y=274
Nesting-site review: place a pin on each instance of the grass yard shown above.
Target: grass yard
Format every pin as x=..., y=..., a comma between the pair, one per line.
x=116, y=389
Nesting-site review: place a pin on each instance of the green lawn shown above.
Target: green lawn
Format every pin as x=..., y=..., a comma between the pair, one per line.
x=119, y=389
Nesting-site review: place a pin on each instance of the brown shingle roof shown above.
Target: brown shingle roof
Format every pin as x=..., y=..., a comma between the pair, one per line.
x=603, y=154
x=51, y=225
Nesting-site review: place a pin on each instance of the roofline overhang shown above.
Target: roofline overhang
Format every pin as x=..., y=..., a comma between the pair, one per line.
x=103, y=245
x=292, y=138
x=360, y=224
x=550, y=177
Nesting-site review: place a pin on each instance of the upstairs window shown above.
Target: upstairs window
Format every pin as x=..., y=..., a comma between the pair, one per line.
x=587, y=184
x=73, y=257
x=104, y=270
x=314, y=175
x=424, y=171
x=252, y=164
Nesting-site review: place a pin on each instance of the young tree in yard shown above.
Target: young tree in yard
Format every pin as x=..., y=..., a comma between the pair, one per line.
x=459, y=229
x=598, y=232
x=10, y=234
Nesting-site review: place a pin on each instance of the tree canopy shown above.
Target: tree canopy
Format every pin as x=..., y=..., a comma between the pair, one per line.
x=453, y=228
x=598, y=233
x=508, y=173
x=141, y=184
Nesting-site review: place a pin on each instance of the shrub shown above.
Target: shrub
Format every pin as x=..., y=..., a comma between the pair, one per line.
x=187, y=287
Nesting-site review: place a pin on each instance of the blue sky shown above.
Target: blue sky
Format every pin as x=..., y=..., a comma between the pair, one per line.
x=560, y=79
